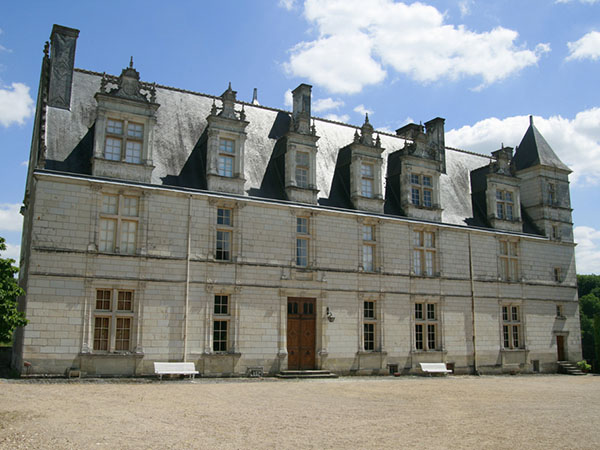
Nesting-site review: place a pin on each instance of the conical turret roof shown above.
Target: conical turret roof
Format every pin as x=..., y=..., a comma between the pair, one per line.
x=535, y=151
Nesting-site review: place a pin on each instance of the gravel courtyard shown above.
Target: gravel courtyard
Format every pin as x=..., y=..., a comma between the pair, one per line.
x=545, y=411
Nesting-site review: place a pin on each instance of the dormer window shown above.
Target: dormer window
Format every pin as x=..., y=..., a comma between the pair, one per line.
x=421, y=190
x=302, y=169
x=367, y=180
x=226, y=157
x=131, y=141
x=504, y=205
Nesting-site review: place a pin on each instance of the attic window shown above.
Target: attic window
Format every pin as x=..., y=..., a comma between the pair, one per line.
x=131, y=140
x=421, y=190
x=226, y=157
x=504, y=205
x=367, y=173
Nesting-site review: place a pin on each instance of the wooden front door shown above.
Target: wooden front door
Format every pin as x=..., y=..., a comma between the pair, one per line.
x=560, y=347
x=301, y=331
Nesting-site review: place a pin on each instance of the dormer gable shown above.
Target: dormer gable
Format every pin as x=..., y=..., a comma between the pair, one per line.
x=124, y=129
x=496, y=194
x=226, y=139
x=300, y=150
x=413, y=177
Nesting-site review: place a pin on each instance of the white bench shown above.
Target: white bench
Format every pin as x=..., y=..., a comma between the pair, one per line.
x=434, y=368
x=175, y=368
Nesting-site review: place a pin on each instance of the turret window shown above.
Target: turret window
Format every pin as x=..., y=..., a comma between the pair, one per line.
x=302, y=167
x=367, y=174
x=131, y=140
x=226, y=157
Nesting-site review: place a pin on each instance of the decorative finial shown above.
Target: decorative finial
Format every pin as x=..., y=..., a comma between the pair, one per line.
x=103, y=82
x=356, y=136
x=530, y=120
x=131, y=62
x=378, y=141
x=153, y=93
x=502, y=145
x=46, y=49
x=229, y=86
x=366, y=117
x=213, y=109
x=255, y=96
x=242, y=113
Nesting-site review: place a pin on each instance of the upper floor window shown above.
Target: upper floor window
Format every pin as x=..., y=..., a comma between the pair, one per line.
x=226, y=157
x=118, y=223
x=551, y=193
x=504, y=205
x=224, y=234
x=367, y=180
x=302, y=169
x=302, y=241
x=511, y=326
x=368, y=248
x=124, y=141
x=424, y=253
x=421, y=190
x=509, y=260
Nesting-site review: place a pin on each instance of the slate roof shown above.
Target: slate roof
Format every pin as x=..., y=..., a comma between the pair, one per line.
x=178, y=136
x=534, y=150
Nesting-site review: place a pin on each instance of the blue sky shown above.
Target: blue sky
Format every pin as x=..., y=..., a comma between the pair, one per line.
x=483, y=66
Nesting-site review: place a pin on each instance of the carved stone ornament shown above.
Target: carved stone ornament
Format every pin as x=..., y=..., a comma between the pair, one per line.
x=502, y=165
x=129, y=86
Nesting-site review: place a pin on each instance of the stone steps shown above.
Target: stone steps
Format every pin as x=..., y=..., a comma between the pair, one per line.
x=569, y=368
x=306, y=374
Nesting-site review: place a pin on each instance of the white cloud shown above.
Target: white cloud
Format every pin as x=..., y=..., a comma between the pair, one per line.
x=12, y=251
x=362, y=110
x=10, y=218
x=16, y=104
x=587, y=251
x=356, y=44
x=575, y=141
x=288, y=98
x=588, y=47
x=25, y=163
x=344, y=118
x=287, y=4
x=465, y=7
x=324, y=104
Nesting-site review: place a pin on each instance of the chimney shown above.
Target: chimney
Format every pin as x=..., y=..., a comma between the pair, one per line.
x=62, y=62
x=301, y=108
x=255, y=97
x=434, y=130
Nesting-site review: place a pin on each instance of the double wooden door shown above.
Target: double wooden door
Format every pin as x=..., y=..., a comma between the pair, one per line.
x=301, y=332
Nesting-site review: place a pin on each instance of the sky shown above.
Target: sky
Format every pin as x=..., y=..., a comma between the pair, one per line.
x=484, y=66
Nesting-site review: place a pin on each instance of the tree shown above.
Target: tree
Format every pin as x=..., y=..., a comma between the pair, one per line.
x=10, y=317
x=588, y=287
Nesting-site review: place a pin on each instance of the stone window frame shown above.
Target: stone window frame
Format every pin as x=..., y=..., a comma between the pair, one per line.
x=370, y=325
x=560, y=311
x=509, y=323
x=367, y=179
x=119, y=218
x=423, y=250
x=231, y=318
x=225, y=155
x=112, y=315
x=505, y=207
x=557, y=274
x=509, y=263
x=302, y=167
x=426, y=317
x=221, y=317
x=418, y=187
x=302, y=240
x=225, y=228
x=124, y=138
x=373, y=244
x=551, y=194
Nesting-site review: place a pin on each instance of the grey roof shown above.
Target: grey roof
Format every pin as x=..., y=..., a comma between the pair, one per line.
x=534, y=150
x=181, y=122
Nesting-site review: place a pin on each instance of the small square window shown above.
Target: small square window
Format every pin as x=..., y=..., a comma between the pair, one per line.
x=135, y=130
x=224, y=216
x=221, y=304
x=302, y=225
x=369, y=310
x=114, y=126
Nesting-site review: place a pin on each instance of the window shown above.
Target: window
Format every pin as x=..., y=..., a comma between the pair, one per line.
x=122, y=134
x=511, y=326
x=426, y=326
x=302, y=241
x=555, y=232
x=221, y=323
x=559, y=311
x=368, y=248
x=113, y=321
x=367, y=180
x=118, y=224
x=551, y=193
x=557, y=274
x=509, y=260
x=424, y=253
x=421, y=190
x=224, y=234
x=226, y=157
x=369, y=325
x=504, y=205
x=302, y=169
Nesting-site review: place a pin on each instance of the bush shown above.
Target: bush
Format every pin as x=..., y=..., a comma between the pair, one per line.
x=584, y=366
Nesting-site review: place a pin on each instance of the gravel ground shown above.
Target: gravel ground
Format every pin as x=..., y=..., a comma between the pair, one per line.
x=542, y=411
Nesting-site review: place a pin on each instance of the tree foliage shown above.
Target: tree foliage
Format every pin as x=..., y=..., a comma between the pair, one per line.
x=10, y=317
x=589, y=312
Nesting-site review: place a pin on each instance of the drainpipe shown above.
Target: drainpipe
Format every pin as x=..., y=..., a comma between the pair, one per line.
x=187, y=279
x=473, y=307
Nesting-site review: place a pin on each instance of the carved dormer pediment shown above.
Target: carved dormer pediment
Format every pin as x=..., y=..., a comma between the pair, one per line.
x=503, y=162
x=128, y=86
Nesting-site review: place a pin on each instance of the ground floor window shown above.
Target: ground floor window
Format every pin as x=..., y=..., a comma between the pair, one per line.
x=511, y=327
x=426, y=326
x=113, y=320
x=221, y=323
